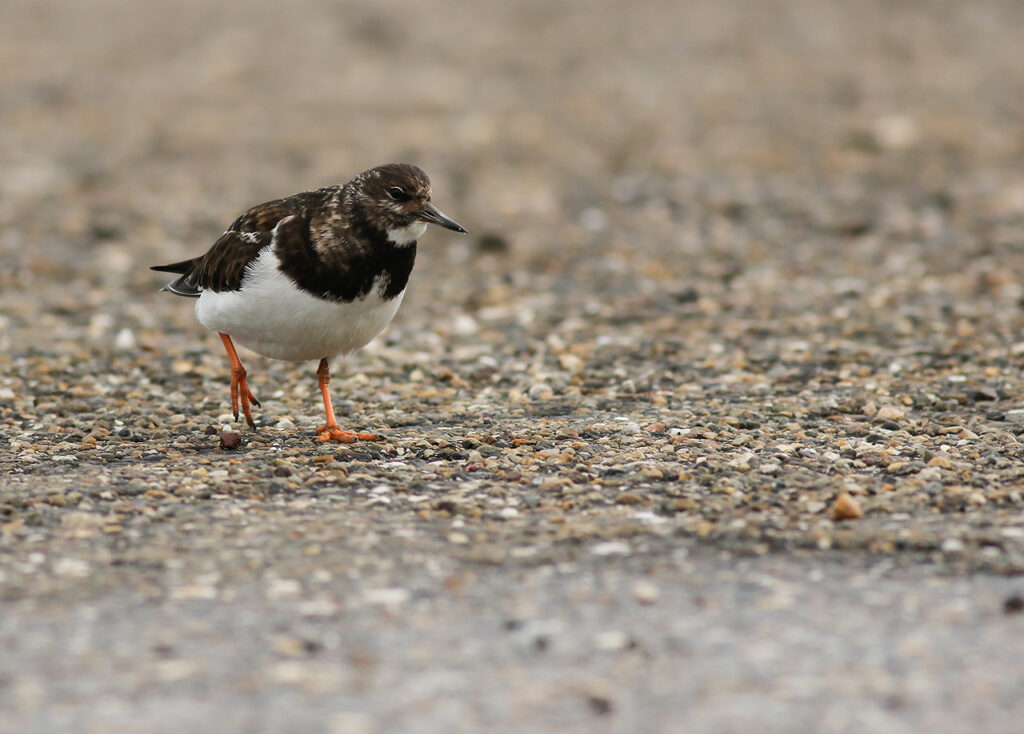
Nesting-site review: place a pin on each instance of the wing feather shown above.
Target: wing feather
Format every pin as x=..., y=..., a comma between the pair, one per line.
x=223, y=266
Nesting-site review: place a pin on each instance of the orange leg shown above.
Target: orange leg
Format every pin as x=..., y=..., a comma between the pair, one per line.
x=239, y=386
x=332, y=431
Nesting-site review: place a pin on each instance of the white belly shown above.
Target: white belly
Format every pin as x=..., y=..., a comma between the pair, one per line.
x=272, y=317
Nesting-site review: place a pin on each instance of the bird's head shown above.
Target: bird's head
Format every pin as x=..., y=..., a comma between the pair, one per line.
x=397, y=199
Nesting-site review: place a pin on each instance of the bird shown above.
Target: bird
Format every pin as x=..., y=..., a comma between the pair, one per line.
x=312, y=276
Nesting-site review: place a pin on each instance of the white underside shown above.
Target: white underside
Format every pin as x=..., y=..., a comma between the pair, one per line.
x=272, y=317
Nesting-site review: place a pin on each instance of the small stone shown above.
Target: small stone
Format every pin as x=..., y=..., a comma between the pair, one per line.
x=570, y=362
x=600, y=702
x=492, y=242
x=952, y=546
x=742, y=462
x=294, y=647
x=815, y=506
x=631, y=498
x=845, y=508
x=889, y=413
x=612, y=640
x=983, y=393
x=388, y=596
x=200, y=590
x=1013, y=604
x=645, y=592
x=895, y=132
x=976, y=498
x=611, y=548
x=540, y=391
x=73, y=567
x=125, y=340
x=229, y=440
x=278, y=588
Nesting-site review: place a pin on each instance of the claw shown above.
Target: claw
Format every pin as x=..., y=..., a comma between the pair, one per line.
x=240, y=392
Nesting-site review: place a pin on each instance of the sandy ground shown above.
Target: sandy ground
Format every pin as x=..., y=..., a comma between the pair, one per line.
x=711, y=424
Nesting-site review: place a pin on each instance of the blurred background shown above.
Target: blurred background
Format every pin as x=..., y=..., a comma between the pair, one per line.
x=789, y=165
x=717, y=249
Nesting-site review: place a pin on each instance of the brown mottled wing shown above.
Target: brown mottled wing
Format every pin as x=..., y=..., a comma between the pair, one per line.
x=265, y=217
x=223, y=266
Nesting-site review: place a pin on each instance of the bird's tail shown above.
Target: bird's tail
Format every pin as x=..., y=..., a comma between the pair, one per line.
x=183, y=286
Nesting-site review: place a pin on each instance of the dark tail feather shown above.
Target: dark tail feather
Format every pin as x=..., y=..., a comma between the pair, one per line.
x=183, y=286
x=181, y=268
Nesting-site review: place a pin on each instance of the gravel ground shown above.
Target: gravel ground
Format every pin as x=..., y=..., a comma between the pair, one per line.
x=712, y=424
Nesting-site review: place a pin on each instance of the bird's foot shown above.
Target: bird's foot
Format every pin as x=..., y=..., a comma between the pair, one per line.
x=240, y=392
x=336, y=433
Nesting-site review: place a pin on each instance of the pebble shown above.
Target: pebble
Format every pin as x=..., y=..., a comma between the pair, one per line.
x=1013, y=604
x=540, y=391
x=612, y=641
x=890, y=413
x=611, y=548
x=645, y=592
x=845, y=507
x=391, y=596
x=125, y=340
x=230, y=440
x=952, y=546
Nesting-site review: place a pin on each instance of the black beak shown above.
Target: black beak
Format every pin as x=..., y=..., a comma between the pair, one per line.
x=434, y=215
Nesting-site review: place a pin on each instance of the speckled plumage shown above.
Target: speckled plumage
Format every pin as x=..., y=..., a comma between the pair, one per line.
x=335, y=248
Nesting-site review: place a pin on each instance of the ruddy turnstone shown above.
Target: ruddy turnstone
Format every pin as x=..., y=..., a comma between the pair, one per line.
x=312, y=276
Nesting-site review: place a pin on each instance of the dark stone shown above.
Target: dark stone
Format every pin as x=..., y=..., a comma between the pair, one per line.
x=230, y=440
x=686, y=295
x=599, y=704
x=983, y=393
x=491, y=242
x=1013, y=604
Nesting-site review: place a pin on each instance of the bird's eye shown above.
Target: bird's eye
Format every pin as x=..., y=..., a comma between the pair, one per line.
x=397, y=194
